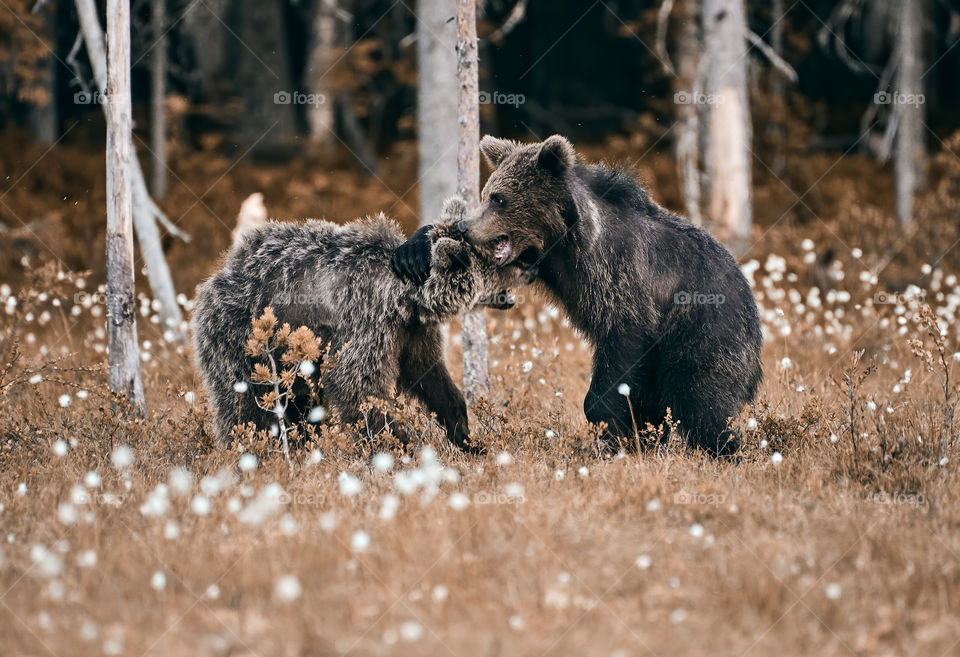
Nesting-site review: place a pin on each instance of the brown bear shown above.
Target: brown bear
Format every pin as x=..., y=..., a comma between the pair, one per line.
x=670, y=315
x=336, y=280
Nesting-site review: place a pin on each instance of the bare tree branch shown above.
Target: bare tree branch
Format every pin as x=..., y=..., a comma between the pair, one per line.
x=778, y=62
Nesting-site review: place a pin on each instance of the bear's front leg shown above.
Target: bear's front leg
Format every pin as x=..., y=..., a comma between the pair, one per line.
x=424, y=375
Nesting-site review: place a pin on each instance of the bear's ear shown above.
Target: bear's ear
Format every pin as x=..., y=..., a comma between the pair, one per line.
x=556, y=155
x=450, y=255
x=495, y=151
x=454, y=210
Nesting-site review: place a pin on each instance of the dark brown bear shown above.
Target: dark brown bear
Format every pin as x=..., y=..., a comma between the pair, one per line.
x=336, y=280
x=671, y=317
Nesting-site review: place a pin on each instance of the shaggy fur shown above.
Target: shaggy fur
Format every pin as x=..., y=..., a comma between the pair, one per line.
x=337, y=281
x=665, y=305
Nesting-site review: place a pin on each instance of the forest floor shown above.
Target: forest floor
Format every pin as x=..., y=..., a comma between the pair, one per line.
x=835, y=532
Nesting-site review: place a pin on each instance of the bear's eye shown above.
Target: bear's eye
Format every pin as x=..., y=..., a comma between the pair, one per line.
x=498, y=200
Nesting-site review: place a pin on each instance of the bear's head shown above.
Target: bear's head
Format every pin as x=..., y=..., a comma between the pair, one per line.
x=526, y=204
x=463, y=276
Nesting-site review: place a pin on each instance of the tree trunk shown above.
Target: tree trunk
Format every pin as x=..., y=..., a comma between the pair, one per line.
x=325, y=40
x=908, y=107
x=258, y=56
x=43, y=111
x=123, y=351
x=687, y=89
x=158, y=93
x=728, y=121
x=437, y=104
x=777, y=129
x=476, y=381
x=145, y=210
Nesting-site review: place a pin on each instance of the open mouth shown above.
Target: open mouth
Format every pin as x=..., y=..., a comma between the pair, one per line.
x=502, y=250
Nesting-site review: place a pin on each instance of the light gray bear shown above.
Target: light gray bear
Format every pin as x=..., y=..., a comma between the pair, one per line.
x=337, y=281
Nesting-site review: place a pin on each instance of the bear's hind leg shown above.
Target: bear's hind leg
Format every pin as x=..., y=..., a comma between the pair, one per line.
x=606, y=402
x=703, y=407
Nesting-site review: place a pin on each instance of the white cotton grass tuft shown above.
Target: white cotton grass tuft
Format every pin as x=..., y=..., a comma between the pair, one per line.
x=644, y=561
x=411, y=631
x=201, y=505
x=181, y=481
x=459, y=501
x=64, y=400
x=241, y=387
x=389, y=504
x=268, y=501
x=383, y=462
x=157, y=503
x=46, y=562
x=624, y=389
x=360, y=541
x=60, y=448
x=288, y=588
x=776, y=458
x=307, y=368
x=87, y=559
x=67, y=514
x=317, y=414
x=349, y=485
x=504, y=459
x=158, y=581
x=248, y=462
x=122, y=457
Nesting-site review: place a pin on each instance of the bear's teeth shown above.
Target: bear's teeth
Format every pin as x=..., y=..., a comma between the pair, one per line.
x=504, y=249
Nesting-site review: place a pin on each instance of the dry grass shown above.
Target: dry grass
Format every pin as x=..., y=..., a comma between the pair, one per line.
x=834, y=533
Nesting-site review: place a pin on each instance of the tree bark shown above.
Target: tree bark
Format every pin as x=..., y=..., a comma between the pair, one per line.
x=908, y=107
x=325, y=39
x=43, y=111
x=777, y=130
x=258, y=58
x=437, y=104
x=158, y=92
x=123, y=351
x=687, y=89
x=728, y=121
x=145, y=210
x=476, y=380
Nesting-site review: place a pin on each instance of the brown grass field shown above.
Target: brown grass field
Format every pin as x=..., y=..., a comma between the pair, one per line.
x=835, y=532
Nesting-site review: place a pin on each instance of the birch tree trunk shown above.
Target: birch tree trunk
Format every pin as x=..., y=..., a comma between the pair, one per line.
x=437, y=104
x=908, y=107
x=687, y=90
x=728, y=121
x=320, y=115
x=476, y=381
x=145, y=211
x=123, y=351
x=158, y=92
